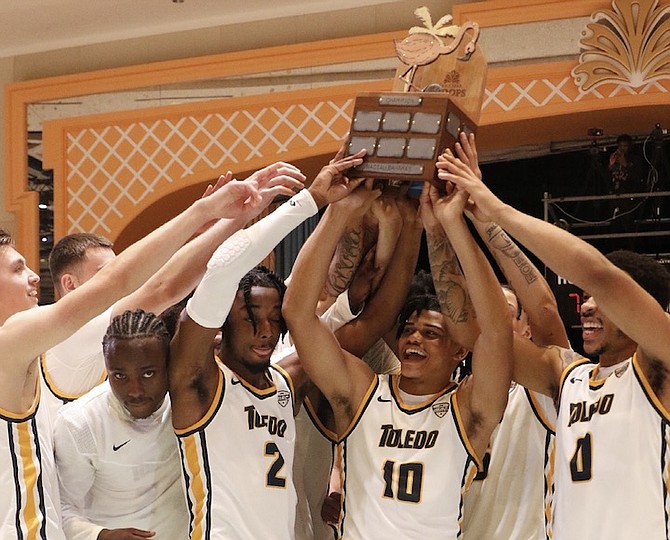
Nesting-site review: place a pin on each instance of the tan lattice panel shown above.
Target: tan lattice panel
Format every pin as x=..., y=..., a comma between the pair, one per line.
x=519, y=93
x=116, y=167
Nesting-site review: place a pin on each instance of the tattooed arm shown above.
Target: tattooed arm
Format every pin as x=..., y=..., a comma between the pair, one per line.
x=531, y=288
x=448, y=278
x=348, y=256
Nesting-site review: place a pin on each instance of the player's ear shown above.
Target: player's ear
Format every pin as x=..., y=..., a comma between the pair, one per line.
x=68, y=283
x=460, y=353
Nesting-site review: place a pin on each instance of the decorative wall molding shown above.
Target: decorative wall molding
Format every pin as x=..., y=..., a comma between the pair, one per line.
x=626, y=45
x=110, y=167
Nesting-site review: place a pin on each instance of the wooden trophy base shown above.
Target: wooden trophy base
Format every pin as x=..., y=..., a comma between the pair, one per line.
x=404, y=133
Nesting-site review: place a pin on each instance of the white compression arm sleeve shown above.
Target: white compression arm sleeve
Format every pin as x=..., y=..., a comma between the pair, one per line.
x=214, y=296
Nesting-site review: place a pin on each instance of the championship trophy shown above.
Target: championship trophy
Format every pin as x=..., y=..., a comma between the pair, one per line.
x=438, y=92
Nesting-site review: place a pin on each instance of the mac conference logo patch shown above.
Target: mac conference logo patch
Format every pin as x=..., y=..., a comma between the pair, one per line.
x=440, y=409
x=283, y=397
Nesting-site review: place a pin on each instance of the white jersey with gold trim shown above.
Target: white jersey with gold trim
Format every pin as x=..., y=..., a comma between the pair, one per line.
x=406, y=467
x=76, y=365
x=313, y=462
x=237, y=462
x=611, y=456
x=29, y=500
x=510, y=498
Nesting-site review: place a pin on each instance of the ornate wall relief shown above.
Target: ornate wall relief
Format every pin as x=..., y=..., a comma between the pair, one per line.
x=629, y=44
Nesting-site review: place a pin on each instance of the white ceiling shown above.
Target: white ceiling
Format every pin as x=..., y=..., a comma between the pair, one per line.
x=30, y=26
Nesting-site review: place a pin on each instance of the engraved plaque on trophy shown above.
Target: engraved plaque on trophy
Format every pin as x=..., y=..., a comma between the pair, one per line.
x=404, y=133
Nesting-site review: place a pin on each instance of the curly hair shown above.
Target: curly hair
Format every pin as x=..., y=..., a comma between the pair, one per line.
x=417, y=304
x=646, y=271
x=261, y=276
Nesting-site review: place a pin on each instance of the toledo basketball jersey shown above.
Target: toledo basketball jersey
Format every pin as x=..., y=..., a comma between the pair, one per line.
x=238, y=459
x=313, y=462
x=511, y=498
x=29, y=502
x=53, y=396
x=611, y=456
x=74, y=366
x=406, y=467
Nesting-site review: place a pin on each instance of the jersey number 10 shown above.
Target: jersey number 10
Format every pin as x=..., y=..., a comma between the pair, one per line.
x=410, y=478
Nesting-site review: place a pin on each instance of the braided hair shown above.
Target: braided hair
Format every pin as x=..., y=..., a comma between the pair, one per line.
x=261, y=276
x=136, y=324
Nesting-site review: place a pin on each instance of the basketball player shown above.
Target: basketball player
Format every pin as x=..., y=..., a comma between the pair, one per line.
x=364, y=335
x=234, y=418
x=29, y=501
x=116, y=452
x=612, y=428
x=511, y=500
x=76, y=365
x=411, y=443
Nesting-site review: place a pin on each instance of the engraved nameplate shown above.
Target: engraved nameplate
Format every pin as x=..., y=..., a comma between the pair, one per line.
x=391, y=168
x=400, y=101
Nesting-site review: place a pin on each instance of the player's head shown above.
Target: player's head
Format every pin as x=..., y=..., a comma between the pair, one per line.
x=136, y=348
x=18, y=283
x=428, y=355
x=255, y=322
x=647, y=272
x=422, y=284
x=76, y=258
x=520, y=323
x=600, y=336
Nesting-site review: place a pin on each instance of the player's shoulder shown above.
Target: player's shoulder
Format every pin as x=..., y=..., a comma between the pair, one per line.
x=89, y=405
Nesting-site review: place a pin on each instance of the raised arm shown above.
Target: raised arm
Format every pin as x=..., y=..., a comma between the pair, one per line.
x=341, y=377
x=192, y=368
x=182, y=273
x=345, y=262
x=29, y=333
x=531, y=288
x=615, y=291
x=389, y=225
x=381, y=310
x=450, y=285
x=484, y=395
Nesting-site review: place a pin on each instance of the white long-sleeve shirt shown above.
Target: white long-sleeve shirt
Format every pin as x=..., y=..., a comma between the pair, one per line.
x=116, y=471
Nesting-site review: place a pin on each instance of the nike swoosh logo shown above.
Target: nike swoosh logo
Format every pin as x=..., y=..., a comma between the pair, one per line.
x=115, y=448
x=382, y=400
x=235, y=381
x=573, y=380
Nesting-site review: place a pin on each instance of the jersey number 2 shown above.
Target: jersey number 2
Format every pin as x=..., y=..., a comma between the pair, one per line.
x=273, y=479
x=580, y=464
x=410, y=478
